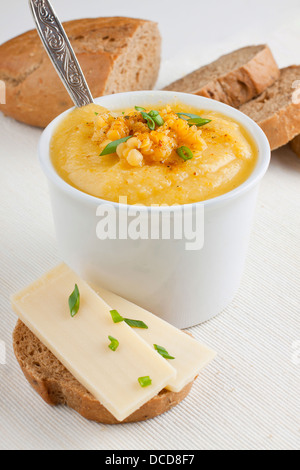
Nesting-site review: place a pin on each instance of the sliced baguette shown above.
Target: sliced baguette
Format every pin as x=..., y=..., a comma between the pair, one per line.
x=276, y=110
x=234, y=78
x=114, y=54
x=57, y=386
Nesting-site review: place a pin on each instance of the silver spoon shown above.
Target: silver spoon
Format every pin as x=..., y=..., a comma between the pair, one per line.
x=60, y=51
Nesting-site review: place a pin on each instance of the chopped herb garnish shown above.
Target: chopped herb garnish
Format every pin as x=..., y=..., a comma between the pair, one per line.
x=153, y=113
x=193, y=119
x=163, y=352
x=185, y=153
x=96, y=114
x=145, y=381
x=135, y=323
x=112, y=147
x=198, y=122
x=74, y=301
x=150, y=121
x=156, y=118
x=114, y=343
x=139, y=109
x=187, y=115
x=152, y=118
x=116, y=316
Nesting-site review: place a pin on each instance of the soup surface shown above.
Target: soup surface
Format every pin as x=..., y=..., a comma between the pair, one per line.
x=164, y=155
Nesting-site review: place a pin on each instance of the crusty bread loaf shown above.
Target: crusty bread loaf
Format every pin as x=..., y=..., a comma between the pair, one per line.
x=57, y=386
x=295, y=145
x=277, y=109
x=116, y=55
x=234, y=78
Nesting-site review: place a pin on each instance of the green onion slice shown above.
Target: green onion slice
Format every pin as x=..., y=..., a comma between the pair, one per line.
x=112, y=147
x=114, y=343
x=139, y=109
x=156, y=118
x=153, y=113
x=187, y=115
x=193, y=119
x=150, y=121
x=185, y=153
x=74, y=301
x=136, y=323
x=198, y=122
x=116, y=317
x=152, y=118
x=145, y=381
x=162, y=351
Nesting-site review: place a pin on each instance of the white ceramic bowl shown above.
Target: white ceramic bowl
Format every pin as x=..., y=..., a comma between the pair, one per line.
x=183, y=287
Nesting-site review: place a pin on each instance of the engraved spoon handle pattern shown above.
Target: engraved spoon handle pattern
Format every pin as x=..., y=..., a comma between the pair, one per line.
x=60, y=52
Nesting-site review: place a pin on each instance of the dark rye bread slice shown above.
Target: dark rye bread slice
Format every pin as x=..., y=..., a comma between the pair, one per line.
x=114, y=53
x=234, y=78
x=57, y=386
x=277, y=109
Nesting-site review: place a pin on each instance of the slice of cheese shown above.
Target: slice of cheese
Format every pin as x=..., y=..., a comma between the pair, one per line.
x=190, y=356
x=81, y=343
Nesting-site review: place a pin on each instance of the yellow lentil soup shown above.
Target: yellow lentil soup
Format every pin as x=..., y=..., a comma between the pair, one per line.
x=163, y=155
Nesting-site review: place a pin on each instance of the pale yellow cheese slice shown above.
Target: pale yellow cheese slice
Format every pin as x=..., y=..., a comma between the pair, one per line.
x=190, y=355
x=81, y=343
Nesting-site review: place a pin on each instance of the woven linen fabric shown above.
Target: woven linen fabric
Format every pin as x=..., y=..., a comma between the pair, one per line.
x=248, y=398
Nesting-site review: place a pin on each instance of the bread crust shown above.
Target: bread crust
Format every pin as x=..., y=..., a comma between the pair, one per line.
x=281, y=123
x=295, y=145
x=237, y=86
x=283, y=126
x=58, y=386
x=113, y=53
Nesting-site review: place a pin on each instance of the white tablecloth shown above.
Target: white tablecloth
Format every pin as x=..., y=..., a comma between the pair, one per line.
x=249, y=397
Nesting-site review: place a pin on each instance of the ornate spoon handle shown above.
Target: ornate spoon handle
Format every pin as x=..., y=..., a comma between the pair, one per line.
x=60, y=52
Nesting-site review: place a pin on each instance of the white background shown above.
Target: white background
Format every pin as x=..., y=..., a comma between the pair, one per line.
x=249, y=397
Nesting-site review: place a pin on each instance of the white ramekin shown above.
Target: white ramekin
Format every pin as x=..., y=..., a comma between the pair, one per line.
x=183, y=287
